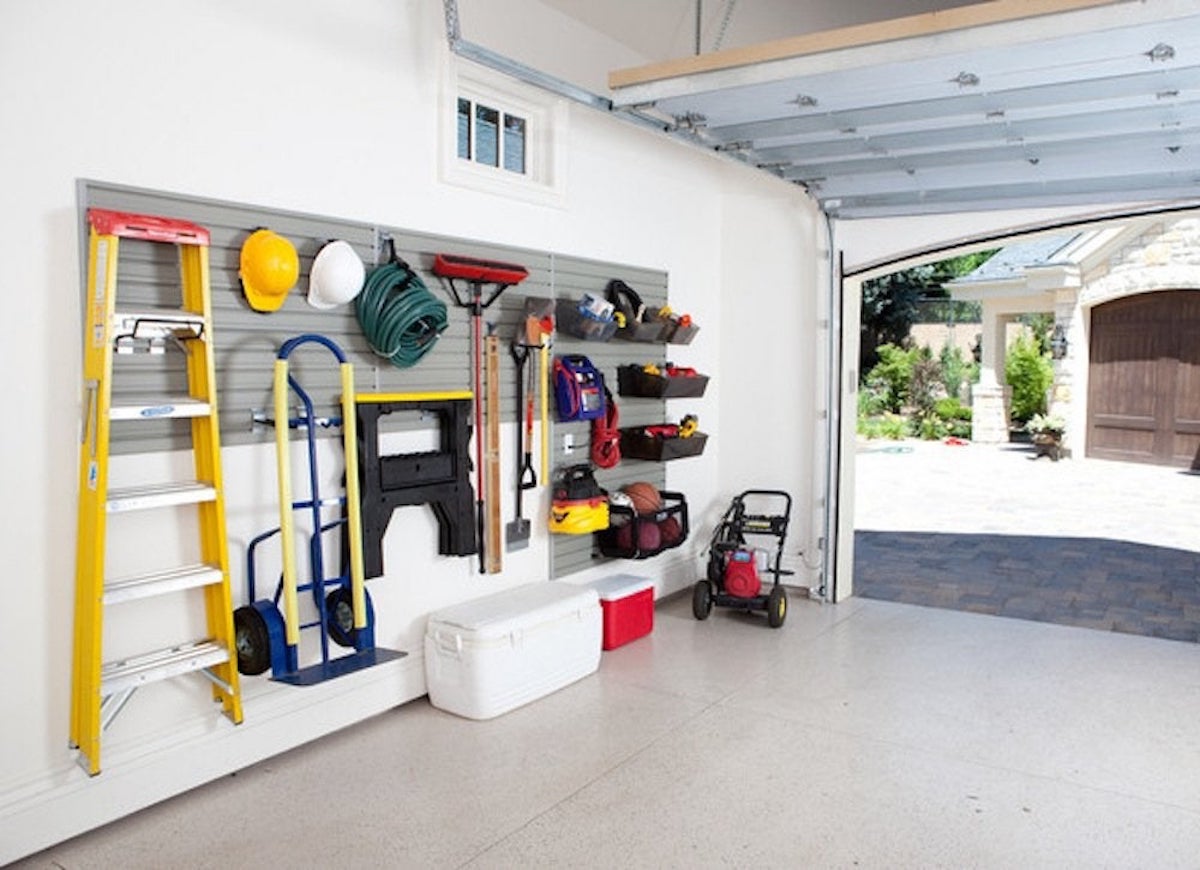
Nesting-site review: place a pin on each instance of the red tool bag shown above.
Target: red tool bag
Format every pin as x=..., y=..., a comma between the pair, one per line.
x=741, y=575
x=606, y=435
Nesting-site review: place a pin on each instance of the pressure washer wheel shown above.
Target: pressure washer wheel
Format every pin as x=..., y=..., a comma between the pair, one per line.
x=776, y=607
x=702, y=601
x=339, y=612
x=252, y=640
x=716, y=567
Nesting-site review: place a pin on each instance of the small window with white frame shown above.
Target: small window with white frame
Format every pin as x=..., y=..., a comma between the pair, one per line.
x=490, y=136
x=503, y=137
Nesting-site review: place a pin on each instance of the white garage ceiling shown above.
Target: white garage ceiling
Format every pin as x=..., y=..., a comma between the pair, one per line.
x=976, y=108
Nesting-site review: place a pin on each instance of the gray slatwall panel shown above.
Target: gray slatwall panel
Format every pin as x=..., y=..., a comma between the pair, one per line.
x=572, y=278
x=246, y=341
x=502, y=318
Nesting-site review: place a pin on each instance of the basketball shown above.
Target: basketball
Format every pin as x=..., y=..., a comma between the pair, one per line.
x=624, y=537
x=671, y=531
x=644, y=496
x=648, y=537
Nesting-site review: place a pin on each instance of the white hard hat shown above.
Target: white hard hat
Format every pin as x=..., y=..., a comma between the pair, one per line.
x=337, y=276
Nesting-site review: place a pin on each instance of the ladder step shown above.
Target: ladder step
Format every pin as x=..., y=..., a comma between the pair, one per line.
x=136, y=498
x=152, y=331
x=132, y=673
x=157, y=323
x=160, y=582
x=156, y=410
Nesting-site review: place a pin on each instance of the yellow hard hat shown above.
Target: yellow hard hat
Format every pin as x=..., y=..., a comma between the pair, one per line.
x=269, y=269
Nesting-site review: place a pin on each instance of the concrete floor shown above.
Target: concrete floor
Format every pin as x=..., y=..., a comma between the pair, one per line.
x=991, y=529
x=866, y=734
x=928, y=486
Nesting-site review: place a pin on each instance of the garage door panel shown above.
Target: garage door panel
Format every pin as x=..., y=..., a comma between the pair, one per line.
x=1186, y=423
x=1124, y=375
x=1124, y=444
x=1144, y=379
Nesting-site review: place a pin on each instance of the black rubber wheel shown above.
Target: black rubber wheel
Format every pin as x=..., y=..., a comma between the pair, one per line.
x=716, y=568
x=702, y=602
x=252, y=641
x=339, y=616
x=776, y=607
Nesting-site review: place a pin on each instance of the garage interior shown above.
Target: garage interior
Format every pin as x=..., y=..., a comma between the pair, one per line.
x=767, y=180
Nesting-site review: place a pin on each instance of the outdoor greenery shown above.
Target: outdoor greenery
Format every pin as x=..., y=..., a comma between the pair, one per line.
x=1046, y=424
x=908, y=393
x=1028, y=370
x=892, y=303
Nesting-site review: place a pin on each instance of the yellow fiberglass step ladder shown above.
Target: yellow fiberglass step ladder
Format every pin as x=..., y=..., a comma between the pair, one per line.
x=101, y=689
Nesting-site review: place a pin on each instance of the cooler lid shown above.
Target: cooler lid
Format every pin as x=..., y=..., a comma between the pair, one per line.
x=520, y=607
x=620, y=586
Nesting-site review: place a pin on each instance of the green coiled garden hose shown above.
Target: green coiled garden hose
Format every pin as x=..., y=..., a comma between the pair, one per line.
x=401, y=319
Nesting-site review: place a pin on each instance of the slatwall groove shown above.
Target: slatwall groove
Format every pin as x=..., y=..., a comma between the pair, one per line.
x=246, y=341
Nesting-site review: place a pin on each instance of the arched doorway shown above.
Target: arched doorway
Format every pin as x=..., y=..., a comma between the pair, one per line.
x=1144, y=379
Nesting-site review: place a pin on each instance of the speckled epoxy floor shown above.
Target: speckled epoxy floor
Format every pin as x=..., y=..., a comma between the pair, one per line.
x=865, y=734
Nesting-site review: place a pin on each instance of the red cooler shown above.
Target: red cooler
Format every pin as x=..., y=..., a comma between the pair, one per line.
x=627, y=602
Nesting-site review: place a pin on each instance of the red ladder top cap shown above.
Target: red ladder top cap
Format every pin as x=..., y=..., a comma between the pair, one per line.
x=148, y=227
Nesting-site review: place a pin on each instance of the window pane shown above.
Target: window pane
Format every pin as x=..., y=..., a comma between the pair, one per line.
x=464, y=129
x=487, y=136
x=514, y=144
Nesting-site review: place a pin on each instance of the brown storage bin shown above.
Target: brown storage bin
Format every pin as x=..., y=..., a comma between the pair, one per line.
x=633, y=381
x=636, y=444
x=568, y=320
x=644, y=332
x=681, y=334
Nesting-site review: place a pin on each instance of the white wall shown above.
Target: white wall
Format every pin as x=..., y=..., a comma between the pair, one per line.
x=772, y=357
x=329, y=109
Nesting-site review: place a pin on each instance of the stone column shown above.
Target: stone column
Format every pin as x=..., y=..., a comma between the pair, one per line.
x=990, y=397
x=1067, y=370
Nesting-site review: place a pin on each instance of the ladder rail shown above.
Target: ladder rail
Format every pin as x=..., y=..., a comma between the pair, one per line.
x=93, y=494
x=206, y=439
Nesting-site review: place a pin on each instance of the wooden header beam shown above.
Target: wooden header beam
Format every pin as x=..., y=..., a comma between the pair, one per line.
x=925, y=24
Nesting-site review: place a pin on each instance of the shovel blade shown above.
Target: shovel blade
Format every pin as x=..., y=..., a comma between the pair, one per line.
x=516, y=534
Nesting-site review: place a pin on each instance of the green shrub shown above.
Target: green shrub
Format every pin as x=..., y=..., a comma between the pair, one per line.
x=957, y=370
x=891, y=375
x=951, y=409
x=931, y=427
x=891, y=426
x=872, y=401
x=925, y=385
x=960, y=425
x=1030, y=374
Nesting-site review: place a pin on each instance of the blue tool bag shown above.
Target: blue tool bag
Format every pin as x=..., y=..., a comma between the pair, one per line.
x=578, y=389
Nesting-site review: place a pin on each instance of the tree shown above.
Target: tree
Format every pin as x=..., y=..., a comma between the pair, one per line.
x=891, y=304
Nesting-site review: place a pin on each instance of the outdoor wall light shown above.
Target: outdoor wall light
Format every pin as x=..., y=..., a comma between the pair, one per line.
x=1058, y=342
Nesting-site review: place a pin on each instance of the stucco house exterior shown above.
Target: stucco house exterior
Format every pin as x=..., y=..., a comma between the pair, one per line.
x=1126, y=305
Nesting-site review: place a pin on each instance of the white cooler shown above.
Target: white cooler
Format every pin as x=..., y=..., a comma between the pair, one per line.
x=489, y=655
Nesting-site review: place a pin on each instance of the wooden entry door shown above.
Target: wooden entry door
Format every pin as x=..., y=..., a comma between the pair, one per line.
x=1144, y=379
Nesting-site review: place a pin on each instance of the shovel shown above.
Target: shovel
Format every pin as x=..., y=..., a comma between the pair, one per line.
x=516, y=533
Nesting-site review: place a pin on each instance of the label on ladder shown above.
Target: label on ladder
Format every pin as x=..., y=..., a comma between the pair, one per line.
x=99, y=302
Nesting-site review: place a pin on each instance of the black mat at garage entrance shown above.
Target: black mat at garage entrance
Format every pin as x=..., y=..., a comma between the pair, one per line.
x=1088, y=582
